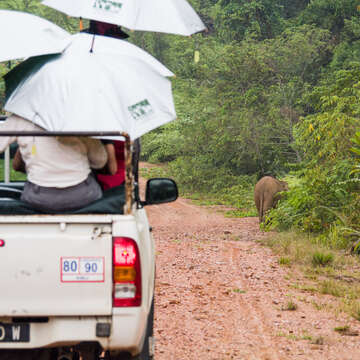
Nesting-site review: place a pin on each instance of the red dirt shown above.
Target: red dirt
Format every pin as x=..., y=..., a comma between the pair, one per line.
x=220, y=294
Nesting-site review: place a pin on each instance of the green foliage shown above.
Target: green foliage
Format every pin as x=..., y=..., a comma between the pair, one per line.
x=291, y=8
x=163, y=145
x=356, y=311
x=217, y=187
x=153, y=172
x=326, y=135
x=322, y=259
x=239, y=291
x=329, y=190
x=3, y=70
x=318, y=201
x=237, y=19
x=35, y=7
x=236, y=111
x=356, y=248
x=356, y=150
x=356, y=141
x=14, y=175
x=331, y=287
x=284, y=261
x=342, y=329
x=260, y=104
x=329, y=14
x=290, y=306
x=31, y=6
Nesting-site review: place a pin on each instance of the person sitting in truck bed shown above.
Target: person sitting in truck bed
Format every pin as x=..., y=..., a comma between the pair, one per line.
x=59, y=176
x=106, y=29
x=114, y=172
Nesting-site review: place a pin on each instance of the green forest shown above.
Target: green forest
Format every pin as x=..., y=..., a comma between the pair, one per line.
x=273, y=87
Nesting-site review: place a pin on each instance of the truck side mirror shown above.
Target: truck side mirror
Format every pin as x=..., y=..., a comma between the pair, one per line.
x=160, y=191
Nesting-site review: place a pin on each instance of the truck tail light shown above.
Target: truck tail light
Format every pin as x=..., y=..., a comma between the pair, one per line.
x=126, y=273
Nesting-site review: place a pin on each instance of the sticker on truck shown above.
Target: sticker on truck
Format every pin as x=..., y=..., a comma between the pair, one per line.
x=82, y=269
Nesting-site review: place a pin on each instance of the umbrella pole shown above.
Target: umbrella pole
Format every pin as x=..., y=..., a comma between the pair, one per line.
x=129, y=179
x=7, y=155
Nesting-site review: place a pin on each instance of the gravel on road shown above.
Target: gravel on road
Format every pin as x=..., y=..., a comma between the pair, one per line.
x=221, y=295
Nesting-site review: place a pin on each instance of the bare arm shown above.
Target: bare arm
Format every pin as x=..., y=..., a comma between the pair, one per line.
x=97, y=154
x=18, y=162
x=111, y=163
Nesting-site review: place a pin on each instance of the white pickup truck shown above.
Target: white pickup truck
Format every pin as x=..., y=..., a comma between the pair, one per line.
x=79, y=285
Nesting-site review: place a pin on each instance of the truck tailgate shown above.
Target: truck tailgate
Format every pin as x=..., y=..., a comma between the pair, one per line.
x=55, y=268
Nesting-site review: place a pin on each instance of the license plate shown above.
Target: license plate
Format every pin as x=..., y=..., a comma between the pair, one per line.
x=14, y=332
x=82, y=269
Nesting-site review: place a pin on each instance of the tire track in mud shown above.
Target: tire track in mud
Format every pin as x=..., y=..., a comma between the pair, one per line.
x=255, y=315
x=198, y=289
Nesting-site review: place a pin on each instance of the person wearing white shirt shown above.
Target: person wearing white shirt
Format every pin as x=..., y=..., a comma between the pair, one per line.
x=59, y=176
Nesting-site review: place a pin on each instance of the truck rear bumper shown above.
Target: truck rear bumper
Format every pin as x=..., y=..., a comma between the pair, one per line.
x=127, y=329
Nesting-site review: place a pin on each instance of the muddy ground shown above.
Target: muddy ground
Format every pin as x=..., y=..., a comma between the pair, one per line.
x=222, y=295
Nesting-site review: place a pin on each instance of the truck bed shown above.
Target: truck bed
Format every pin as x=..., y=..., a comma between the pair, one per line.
x=112, y=202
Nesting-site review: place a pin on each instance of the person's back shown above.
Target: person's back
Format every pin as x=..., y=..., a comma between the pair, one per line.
x=58, y=170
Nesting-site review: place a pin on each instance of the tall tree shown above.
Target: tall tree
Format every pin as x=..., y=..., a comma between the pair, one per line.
x=236, y=19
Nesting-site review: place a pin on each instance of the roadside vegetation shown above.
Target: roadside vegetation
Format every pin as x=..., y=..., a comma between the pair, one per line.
x=276, y=91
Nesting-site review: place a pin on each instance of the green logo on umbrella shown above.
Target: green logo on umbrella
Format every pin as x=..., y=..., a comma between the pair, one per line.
x=141, y=109
x=107, y=5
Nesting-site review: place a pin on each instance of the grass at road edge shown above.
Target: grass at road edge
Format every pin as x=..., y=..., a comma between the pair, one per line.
x=237, y=201
x=324, y=271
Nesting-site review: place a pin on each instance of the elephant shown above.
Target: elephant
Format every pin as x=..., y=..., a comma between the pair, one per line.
x=266, y=194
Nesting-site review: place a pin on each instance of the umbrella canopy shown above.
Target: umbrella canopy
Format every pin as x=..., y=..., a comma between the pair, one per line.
x=24, y=35
x=168, y=16
x=122, y=88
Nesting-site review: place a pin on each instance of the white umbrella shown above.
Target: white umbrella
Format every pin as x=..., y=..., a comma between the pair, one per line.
x=168, y=16
x=123, y=89
x=23, y=35
x=82, y=42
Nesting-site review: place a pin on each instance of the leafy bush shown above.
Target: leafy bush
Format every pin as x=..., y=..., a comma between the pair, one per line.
x=3, y=70
x=284, y=261
x=322, y=259
x=327, y=195
x=162, y=145
x=290, y=306
x=193, y=176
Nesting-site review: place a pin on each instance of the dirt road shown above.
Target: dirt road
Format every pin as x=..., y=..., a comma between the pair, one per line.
x=221, y=295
